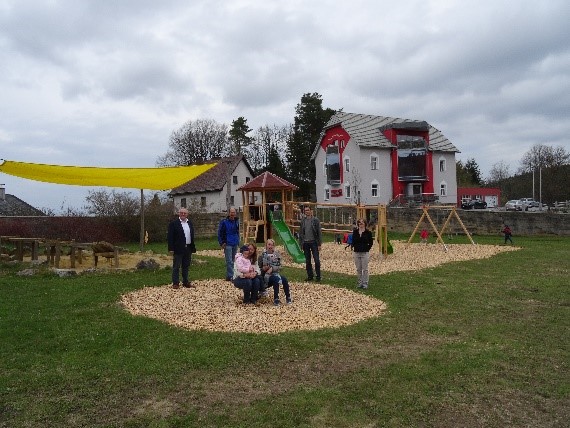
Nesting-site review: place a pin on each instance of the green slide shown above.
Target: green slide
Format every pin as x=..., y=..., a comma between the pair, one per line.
x=289, y=240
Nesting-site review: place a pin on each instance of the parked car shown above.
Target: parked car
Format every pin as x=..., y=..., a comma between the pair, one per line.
x=529, y=203
x=476, y=204
x=513, y=205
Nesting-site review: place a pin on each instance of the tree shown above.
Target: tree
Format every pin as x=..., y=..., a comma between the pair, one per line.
x=468, y=174
x=117, y=208
x=274, y=162
x=112, y=204
x=267, y=151
x=473, y=170
x=195, y=142
x=309, y=122
x=499, y=172
x=238, y=135
x=541, y=156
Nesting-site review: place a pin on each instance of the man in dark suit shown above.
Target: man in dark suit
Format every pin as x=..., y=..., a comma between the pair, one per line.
x=181, y=245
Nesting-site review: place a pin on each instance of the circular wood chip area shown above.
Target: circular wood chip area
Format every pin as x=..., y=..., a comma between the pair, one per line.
x=215, y=305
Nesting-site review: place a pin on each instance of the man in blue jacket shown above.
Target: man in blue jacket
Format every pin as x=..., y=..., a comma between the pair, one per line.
x=228, y=238
x=181, y=245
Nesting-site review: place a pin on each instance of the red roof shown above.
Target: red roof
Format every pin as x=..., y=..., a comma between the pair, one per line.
x=268, y=181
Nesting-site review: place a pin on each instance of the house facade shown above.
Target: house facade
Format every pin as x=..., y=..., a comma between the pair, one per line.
x=216, y=189
x=382, y=160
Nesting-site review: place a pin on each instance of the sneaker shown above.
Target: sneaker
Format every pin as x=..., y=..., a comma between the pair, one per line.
x=310, y=278
x=364, y=287
x=276, y=302
x=289, y=301
x=318, y=279
x=175, y=286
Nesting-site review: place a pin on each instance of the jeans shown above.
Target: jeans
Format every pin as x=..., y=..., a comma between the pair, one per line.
x=274, y=282
x=308, y=248
x=250, y=288
x=181, y=261
x=361, y=262
x=230, y=252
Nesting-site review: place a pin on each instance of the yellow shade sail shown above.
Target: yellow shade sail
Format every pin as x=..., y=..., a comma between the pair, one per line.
x=135, y=178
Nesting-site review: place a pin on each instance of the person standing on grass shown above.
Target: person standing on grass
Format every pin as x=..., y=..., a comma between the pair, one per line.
x=424, y=235
x=228, y=238
x=181, y=245
x=310, y=235
x=362, y=242
x=508, y=234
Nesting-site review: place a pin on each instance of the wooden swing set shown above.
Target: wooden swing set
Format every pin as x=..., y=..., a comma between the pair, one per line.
x=452, y=213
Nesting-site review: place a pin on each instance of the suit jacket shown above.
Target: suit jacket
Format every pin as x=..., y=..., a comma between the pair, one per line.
x=176, y=239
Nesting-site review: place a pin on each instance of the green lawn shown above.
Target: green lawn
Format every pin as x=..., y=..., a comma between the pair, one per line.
x=483, y=343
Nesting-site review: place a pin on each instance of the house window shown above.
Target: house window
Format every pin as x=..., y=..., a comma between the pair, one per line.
x=374, y=190
x=183, y=203
x=442, y=165
x=443, y=189
x=347, y=164
x=235, y=179
x=347, y=191
x=327, y=194
x=247, y=179
x=203, y=201
x=373, y=162
x=232, y=200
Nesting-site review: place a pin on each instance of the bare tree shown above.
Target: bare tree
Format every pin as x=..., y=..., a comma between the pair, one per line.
x=103, y=203
x=542, y=156
x=197, y=141
x=499, y=171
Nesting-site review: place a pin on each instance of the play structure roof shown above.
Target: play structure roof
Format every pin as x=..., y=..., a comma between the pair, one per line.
x=268, y=181
x=135, y=178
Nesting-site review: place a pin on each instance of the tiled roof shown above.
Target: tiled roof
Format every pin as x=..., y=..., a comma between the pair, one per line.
x=366, y=130
x=13, y=206
x=268, y=181
x=214, y=179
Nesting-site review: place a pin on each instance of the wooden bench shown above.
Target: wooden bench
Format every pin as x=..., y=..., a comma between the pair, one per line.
x=108, y=255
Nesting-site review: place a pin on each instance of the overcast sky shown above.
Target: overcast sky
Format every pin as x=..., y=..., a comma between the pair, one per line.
x=104, y=83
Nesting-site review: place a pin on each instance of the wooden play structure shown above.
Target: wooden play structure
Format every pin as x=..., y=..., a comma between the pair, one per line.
x=452, y=214
x=269, y=206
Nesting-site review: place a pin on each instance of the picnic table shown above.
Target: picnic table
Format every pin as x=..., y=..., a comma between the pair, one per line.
x=19, y=243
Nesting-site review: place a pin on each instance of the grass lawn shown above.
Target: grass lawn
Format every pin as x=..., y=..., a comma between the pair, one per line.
x=483, y=343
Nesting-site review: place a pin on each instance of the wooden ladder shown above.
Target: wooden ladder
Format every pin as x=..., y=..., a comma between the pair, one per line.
x=251, y=229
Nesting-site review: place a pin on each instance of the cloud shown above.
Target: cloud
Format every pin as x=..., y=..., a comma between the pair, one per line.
x=105, y=83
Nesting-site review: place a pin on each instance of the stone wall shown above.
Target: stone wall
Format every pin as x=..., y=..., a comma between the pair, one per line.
x=477, y=222
x=485, y=222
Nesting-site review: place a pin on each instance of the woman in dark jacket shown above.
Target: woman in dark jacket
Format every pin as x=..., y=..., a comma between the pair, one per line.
x=362, y=242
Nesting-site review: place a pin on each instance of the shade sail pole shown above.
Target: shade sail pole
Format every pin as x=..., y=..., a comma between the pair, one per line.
x=142, y=222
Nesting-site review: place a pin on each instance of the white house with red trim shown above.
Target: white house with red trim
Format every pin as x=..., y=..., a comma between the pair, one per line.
x=380, y=160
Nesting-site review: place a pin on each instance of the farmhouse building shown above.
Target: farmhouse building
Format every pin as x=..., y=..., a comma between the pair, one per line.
x=216, y=189
x=383, y=160
x=11, y=205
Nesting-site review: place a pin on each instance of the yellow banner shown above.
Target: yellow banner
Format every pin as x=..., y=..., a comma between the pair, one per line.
x=135, y=178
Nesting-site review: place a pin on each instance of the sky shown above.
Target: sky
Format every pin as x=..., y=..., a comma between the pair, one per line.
x=105, y=83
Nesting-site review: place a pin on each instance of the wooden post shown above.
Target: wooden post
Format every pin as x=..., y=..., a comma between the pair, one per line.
x=142, y=222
